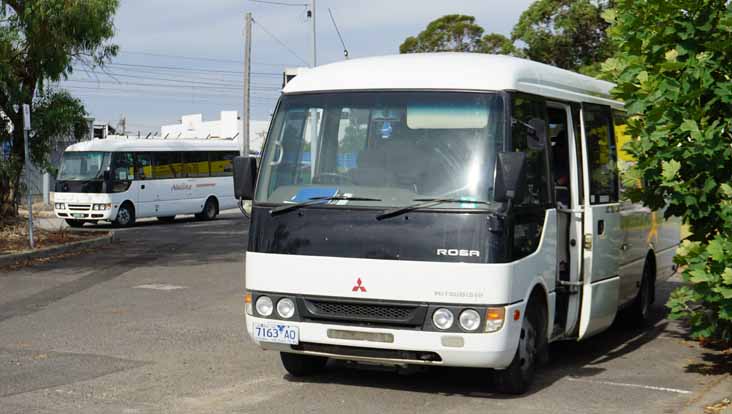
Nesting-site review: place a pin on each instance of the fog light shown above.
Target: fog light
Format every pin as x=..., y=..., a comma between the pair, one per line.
x=494, y=319
x=248, y=304
x=286, y=308
x=264, y=306
x=443, y=318
x=470, y=320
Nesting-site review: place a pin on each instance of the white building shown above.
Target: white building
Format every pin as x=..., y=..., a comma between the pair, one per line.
x=227, y=127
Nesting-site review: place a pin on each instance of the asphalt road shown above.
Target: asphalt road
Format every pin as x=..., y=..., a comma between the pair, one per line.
x=154, y=324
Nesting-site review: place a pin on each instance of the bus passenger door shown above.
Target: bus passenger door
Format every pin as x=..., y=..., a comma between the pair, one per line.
x=567, y=176
x=147, y=191
x=602, y=237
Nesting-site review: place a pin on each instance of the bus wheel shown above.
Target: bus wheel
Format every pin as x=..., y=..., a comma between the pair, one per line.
x=74, y=223
x=637, y=314
x=210, y=210
x=125, y=216
x=299, y=365
x=517, y=378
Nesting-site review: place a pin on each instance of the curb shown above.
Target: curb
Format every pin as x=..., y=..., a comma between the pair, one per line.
x=13, y=259
x=713, y=400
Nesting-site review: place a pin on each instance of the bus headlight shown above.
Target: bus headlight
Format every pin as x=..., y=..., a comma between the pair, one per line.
x=494, y=319
x=469, y=320
x=443, y=318
x=59, y=206
x=264, y=306
x=286, y=308
x=101, y=206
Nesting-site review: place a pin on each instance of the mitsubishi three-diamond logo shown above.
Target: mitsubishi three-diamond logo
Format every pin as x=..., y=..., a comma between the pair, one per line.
x=359, y=286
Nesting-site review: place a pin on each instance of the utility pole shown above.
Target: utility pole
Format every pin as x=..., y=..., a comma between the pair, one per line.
x=26, y=129
x=244, y=149
x=312, y=18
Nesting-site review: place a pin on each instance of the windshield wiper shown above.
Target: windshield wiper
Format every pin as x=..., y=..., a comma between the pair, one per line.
x=426, y=202
x=316, y=200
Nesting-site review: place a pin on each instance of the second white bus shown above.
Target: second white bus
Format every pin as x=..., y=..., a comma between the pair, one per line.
x=122, y=180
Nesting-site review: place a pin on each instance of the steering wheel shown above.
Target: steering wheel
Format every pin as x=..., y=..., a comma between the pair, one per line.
x=332, y=178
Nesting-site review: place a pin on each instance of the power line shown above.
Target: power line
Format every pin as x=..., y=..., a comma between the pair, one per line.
x=162, y=85
x=279, y=3
x=178, y=80
x=199, y=58
x=292, y=52
x=174, y=68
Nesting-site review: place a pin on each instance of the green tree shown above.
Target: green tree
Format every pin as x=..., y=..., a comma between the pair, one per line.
x=498, y=44
x=672, y=70
x=40, y=41
x=569, y=34
x=453, y=32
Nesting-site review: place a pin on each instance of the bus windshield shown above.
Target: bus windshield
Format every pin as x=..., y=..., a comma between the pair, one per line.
x=83, y=165
x=386, y=148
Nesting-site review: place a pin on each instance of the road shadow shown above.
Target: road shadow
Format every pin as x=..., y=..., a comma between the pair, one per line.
x=567, y=359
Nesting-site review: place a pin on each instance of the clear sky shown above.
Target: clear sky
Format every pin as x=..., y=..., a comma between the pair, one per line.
x=184, y=56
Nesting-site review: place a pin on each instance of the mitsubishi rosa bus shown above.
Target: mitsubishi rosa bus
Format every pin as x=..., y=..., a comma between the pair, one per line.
x=444, y=210
x=121, y=180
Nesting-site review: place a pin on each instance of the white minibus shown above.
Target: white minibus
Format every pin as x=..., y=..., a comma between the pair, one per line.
x=445, y=210
x=121, y=180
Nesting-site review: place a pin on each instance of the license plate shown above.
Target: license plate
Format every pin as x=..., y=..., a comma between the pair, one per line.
x=77, y=215
x=278, y=333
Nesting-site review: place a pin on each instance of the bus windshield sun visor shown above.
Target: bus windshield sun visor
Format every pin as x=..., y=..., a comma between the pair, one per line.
x=316, y=200
x=427, y=202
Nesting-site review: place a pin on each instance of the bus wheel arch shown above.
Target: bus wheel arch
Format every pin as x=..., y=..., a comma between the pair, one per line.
x=532, y=345
x=125, y=214
x=210, y=209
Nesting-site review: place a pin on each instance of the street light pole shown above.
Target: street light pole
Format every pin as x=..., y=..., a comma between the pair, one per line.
x=244, y=148
x=26, y=129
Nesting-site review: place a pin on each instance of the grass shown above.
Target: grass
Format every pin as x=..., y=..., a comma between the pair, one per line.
x=14, y=236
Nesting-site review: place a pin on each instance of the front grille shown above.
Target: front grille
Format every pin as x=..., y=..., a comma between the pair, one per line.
x=79, y=207
x=359, y=310
x=363, y=312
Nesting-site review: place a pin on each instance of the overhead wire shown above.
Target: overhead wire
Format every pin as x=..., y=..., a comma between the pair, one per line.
x=281, y=43
x=208, y=59
x=280, y=3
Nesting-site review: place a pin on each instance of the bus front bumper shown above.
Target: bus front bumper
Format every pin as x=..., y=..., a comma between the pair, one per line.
x=90, y=215
x=401, y=346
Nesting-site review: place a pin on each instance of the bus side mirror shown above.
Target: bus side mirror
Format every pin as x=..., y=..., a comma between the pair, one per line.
x=245, y=176
x=510, y=182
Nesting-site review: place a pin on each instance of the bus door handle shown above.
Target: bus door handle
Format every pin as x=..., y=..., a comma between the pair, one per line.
x=600, y=227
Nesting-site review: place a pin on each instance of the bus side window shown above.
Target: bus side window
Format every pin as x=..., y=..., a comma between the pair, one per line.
x=625, y=159
x=196, y=164
x=527, y=111
x=144, y=163
x=601, y=153
x=221, y=163
x=167, y=164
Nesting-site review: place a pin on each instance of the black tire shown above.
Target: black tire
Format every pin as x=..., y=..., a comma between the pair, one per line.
x=637, y=314
x=75, y=223
x=210, y=210
x=125, y=216
x=518, y=377
x=299, y=365
x=167, y=219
